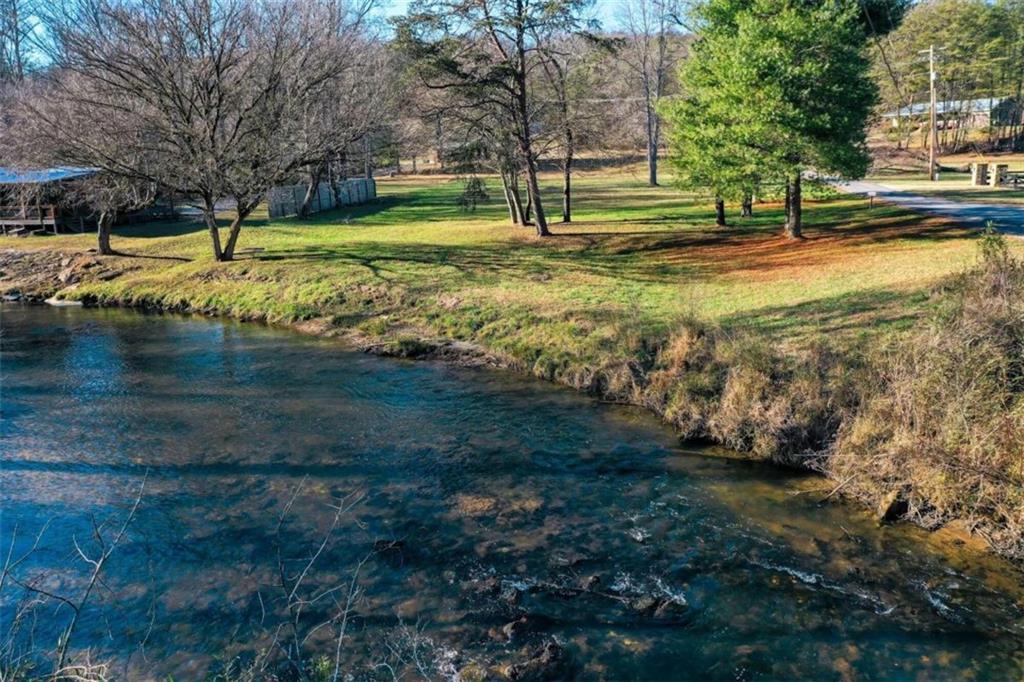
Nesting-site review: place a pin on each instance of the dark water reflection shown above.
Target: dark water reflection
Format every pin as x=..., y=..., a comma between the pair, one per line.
x=485, y=495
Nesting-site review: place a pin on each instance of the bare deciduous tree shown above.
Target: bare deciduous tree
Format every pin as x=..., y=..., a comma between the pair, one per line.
x=17, y=35
x=44, y=128
x=352, y=102
x=218, y=90
x=652, y=48
x=568, y=65
x=486, y=51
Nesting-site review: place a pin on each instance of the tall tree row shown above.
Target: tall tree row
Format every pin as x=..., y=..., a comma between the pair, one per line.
x=980, y=48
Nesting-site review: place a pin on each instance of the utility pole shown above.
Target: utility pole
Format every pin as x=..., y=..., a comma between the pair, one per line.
x=933, y=133
x=933, y=174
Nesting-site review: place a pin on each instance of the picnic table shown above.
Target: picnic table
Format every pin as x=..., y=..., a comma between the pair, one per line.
x=995, y=175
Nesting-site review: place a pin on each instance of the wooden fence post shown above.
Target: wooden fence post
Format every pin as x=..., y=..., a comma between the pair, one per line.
x=979, y=174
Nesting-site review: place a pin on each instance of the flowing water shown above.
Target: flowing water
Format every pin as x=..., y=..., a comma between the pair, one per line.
x=469, y=498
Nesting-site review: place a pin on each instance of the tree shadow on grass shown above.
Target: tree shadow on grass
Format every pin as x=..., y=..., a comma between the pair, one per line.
x=524, y=261
x=191, y=224
x=125, y=254
x=868, y=311
x=655, y=256
x=341, y=215
x=159, y=228
x=884, y=223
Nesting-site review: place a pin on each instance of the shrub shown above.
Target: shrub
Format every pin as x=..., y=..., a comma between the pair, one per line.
x=941, y=418
x=740, y=391
x=473, y=192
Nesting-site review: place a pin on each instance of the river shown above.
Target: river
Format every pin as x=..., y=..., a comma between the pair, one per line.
x=432, y=511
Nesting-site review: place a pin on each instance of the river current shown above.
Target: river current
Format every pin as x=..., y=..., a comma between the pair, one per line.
x=425, y=519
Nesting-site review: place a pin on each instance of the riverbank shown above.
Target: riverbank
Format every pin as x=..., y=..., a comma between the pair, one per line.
x=738, y=336
x=487, y=517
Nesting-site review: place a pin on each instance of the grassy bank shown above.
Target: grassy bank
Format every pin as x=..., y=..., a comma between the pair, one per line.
x=736, y=335
x=635, y=260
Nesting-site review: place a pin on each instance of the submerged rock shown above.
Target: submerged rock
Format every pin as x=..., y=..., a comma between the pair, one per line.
x=893, y=506
x=645, y=603
x=567, y=559
x=670, y=609
x=519, y=628
x=475, y=505
x=488, y=586
x=516, y=628
x=510, y=595
x=473, y=673
x=662, y=608
x=548, y=662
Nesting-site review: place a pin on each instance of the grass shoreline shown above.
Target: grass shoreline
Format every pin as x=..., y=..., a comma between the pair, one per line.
x=770, y=365
x=423, y=345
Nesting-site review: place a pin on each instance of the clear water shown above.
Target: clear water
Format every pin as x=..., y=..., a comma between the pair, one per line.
x=478, y=497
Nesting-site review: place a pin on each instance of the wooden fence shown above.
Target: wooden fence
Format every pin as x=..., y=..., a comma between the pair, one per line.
x=287, y=199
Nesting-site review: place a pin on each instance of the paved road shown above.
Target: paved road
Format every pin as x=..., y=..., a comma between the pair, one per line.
x=1006, y=217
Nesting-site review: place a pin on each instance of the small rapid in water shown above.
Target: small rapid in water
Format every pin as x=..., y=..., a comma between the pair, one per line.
x=446, y=522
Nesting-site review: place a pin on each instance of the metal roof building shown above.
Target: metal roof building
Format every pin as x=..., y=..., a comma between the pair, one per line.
x=11, y=176
x=959, y=107
x=33, y=200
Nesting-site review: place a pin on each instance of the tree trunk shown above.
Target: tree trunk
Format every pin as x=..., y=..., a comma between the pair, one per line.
x=210, y=217
x=533, y=186
x=522, y=111
x=439, y=144
x=510, y=202
x=103, y=225
x=315, y=173
x=567, y=195
x=1017, y=134
x=787, y=207
x=522, y=217
x=747, y=207
x=652, y=147
x=567, y=178
x=794, y=208
x=720, y=213
x=528, y=207
x=236, y=228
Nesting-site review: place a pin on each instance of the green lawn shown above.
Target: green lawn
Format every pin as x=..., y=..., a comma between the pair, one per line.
x=633, y=263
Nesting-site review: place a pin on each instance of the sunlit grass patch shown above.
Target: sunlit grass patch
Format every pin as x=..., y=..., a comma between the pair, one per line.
x=634, y=256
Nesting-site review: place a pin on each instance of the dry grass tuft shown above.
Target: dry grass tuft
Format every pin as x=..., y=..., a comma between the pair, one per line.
x=941, y=421
x=740, y=391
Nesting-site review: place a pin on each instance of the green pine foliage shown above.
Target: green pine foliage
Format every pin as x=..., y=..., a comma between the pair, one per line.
x=772, y=88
